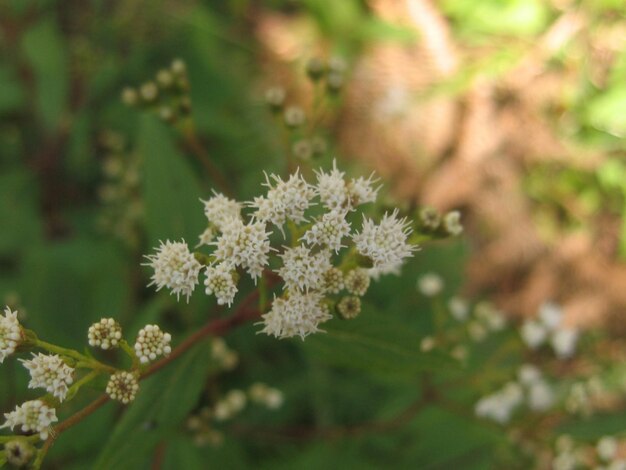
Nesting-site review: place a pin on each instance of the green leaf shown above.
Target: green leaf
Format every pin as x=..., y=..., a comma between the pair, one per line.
x=163, y=402
x=45, y=51
x=171, y=191
x=11, y=91
x=376, y=343
x=595, y=426
x=606, y=112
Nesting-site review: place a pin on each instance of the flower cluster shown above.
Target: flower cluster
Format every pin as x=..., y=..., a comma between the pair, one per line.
x=325, y=255
x=105, y=334
x=123, y=387
x=31, y=416
x=549, y=328
x=10, y=333
x=50, y=373
x=151, y=343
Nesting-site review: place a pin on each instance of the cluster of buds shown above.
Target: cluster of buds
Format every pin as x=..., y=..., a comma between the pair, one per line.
x=332, y=72
x=167, y=94
x=120, y=190
x=223, y=355
x=325, y=256
x=433, y=224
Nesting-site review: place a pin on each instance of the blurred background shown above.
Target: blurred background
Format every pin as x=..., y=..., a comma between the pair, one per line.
x=512, y=111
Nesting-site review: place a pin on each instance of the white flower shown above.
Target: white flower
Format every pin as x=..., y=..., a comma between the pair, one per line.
x=332, y=189
x=123, y=387
x=430, y=284
x=619, y=464
x=500, y=405
x=386, y=243
x=219, y=209
x=236, y=399
x=328, y=231
x=206, y=237
x=303, y=270
x=607, y=448
x=31, y=416
x=297, y=315
x=50, y=373
x=265, y=395
x=357, y=281
x=452, y=223
x=10, y=333
x=361, y=191
x=533, y=333
x=105, y=334
x=550, y=315
x=287, y=200
x=564, y=342
x=220, y=281
x=528, y=374
x=151, y=343
x=333, y=281
x=458, y=308
x=245, y=245
x=540, y=396
x=175, y=268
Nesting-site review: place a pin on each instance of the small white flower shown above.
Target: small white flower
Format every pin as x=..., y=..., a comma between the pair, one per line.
x=219, y=209
x=287, y=200
x=533, y=333
x=564, y=342
x=386, y=243
x=476, y=330
x=123, y=387
x=31, y=416
x=245, y=245
x=10, y=333
x=265, y=395
x=428, y=343
x=105, y=334
x=220, y=281
x=151, y=343
x=303, y=270
x=332, y=189
x=458, y=308
x=540, y=396
x=361, y=190
x=206, y=237
x=175, y=268
x=528, y=374
x=430, y=284
x=50, y=373
x=452, y=223
x=500, y=405
x=550, y=315
x=607, y=448
x=357, y=281
x=297, y=315
x=236, y=400
x=328, y=231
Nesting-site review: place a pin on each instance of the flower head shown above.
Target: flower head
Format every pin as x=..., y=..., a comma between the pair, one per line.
x=10, y=333
x=564, y=342
x=333, y=281
x=50, y=373
x=245, y=245
x=32, y=416
x=123, y=387
x=452, y=223
x=386, y=243
x=303, y=270
x=332, y=189
x=175, y=267
x=361, y=190
x=430, y=284
x=349, y=306
x=533, y=333
x=105, y=334
x=328, y=230
x=220, y=281
x=151, y=343
x=219, y=209
x=357, y=281
x=297, y=315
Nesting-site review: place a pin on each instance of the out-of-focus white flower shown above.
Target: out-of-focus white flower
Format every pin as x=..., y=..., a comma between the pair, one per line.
x=220, y=281
x=500, y=405
x=452, y=223
x=386, y=243
x=540, y=396
x=328, y=231
x=533, y=333
x=607, y=448
x=529, y=374
x=245, y=245
x=428, y=343
x=458, y=308
x=430, y=284
x=550, y=315
x=219, y=209
x=297, y=315
x=477, y=332
x=10, y=333
x=265, y=395
x=151, y=343
x=303, y=270
x=564, y=342
x=174, y=267
x=123, y=387
x=50, y=373
x=31, y=416
x=105, y=334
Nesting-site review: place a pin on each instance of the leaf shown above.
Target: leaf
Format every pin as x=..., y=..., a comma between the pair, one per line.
x=594, y=427
x=11, y=91
x=171, y=191
x=163, y=402
x=45, y=51
x=376, y=343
